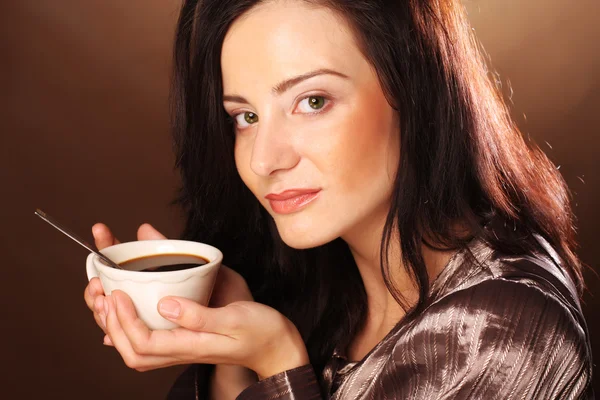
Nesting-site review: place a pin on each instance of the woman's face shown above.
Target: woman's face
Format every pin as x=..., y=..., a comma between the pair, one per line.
x=316, y=141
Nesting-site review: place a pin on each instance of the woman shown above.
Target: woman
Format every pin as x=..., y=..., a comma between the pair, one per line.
x=389, y=232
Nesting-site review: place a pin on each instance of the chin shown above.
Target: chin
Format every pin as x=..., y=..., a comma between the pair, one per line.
x=301, y=244
x=303, y=237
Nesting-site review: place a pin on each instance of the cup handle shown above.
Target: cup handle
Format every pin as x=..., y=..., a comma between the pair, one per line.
x=92, y=272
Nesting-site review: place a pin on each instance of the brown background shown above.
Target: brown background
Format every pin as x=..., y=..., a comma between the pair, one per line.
x=83, y=119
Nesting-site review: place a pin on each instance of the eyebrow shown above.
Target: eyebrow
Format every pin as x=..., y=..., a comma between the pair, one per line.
x=282, y=87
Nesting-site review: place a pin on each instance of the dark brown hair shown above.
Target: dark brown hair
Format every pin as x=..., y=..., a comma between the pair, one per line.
x=462, y=160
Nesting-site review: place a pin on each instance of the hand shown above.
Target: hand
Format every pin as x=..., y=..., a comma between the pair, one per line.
x=281, y=350
x=94, y=293
x=242, y=333
x=229, y=285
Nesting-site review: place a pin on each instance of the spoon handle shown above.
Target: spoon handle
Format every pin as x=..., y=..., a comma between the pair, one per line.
x=76, y=238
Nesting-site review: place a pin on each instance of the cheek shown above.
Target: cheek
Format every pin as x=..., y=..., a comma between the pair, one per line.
x=242, y=155
x=366, y=148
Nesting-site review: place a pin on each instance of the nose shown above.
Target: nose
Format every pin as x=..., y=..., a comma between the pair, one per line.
x=273, y=148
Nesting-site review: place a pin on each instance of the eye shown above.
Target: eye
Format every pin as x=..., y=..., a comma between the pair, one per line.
x=311, y=104
x=245, y=119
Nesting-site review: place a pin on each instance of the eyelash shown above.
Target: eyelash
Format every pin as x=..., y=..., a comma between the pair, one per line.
x=325, y=107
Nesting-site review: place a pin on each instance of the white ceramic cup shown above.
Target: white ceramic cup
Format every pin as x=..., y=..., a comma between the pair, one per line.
x=147, y=288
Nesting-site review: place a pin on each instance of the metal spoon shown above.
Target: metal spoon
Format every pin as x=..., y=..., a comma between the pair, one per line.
x=76, y=238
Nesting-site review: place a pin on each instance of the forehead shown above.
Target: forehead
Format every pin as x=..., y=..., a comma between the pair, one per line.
x=281, y=39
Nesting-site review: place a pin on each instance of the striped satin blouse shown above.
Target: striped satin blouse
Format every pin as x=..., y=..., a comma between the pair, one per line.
x=496, y=327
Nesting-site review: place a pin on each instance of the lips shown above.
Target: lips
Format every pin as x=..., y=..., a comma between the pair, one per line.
x=292, y=200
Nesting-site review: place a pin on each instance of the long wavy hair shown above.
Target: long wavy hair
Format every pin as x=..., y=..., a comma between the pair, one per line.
x=462, y=158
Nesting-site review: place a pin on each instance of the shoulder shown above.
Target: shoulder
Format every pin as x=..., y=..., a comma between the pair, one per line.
x=524, y=303
x=537, y=279
x=501, y=334
x=521, y=307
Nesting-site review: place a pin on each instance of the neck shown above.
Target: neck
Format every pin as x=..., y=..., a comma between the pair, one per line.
x=383, y=312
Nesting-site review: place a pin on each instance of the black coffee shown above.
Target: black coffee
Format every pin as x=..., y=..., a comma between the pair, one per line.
x=163, y=262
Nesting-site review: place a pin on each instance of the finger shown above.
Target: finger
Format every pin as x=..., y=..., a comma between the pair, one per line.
x=182, y=344
x=147, y=232
x=94, y=296
x=92, y=290
x=120, y=341
x=191, y=315
x=103, y=237
x=101, y=309
x=100, y=322
x=133, y=327
x=223, y=294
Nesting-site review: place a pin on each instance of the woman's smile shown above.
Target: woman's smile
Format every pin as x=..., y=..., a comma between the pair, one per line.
x=293, y=200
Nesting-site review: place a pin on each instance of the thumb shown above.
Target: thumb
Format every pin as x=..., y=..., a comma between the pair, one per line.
x=191, y=315
x=103, y=237
x=148, y=232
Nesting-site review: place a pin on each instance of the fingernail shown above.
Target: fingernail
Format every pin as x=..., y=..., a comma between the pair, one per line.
x=107, y=341
x=170, y=308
